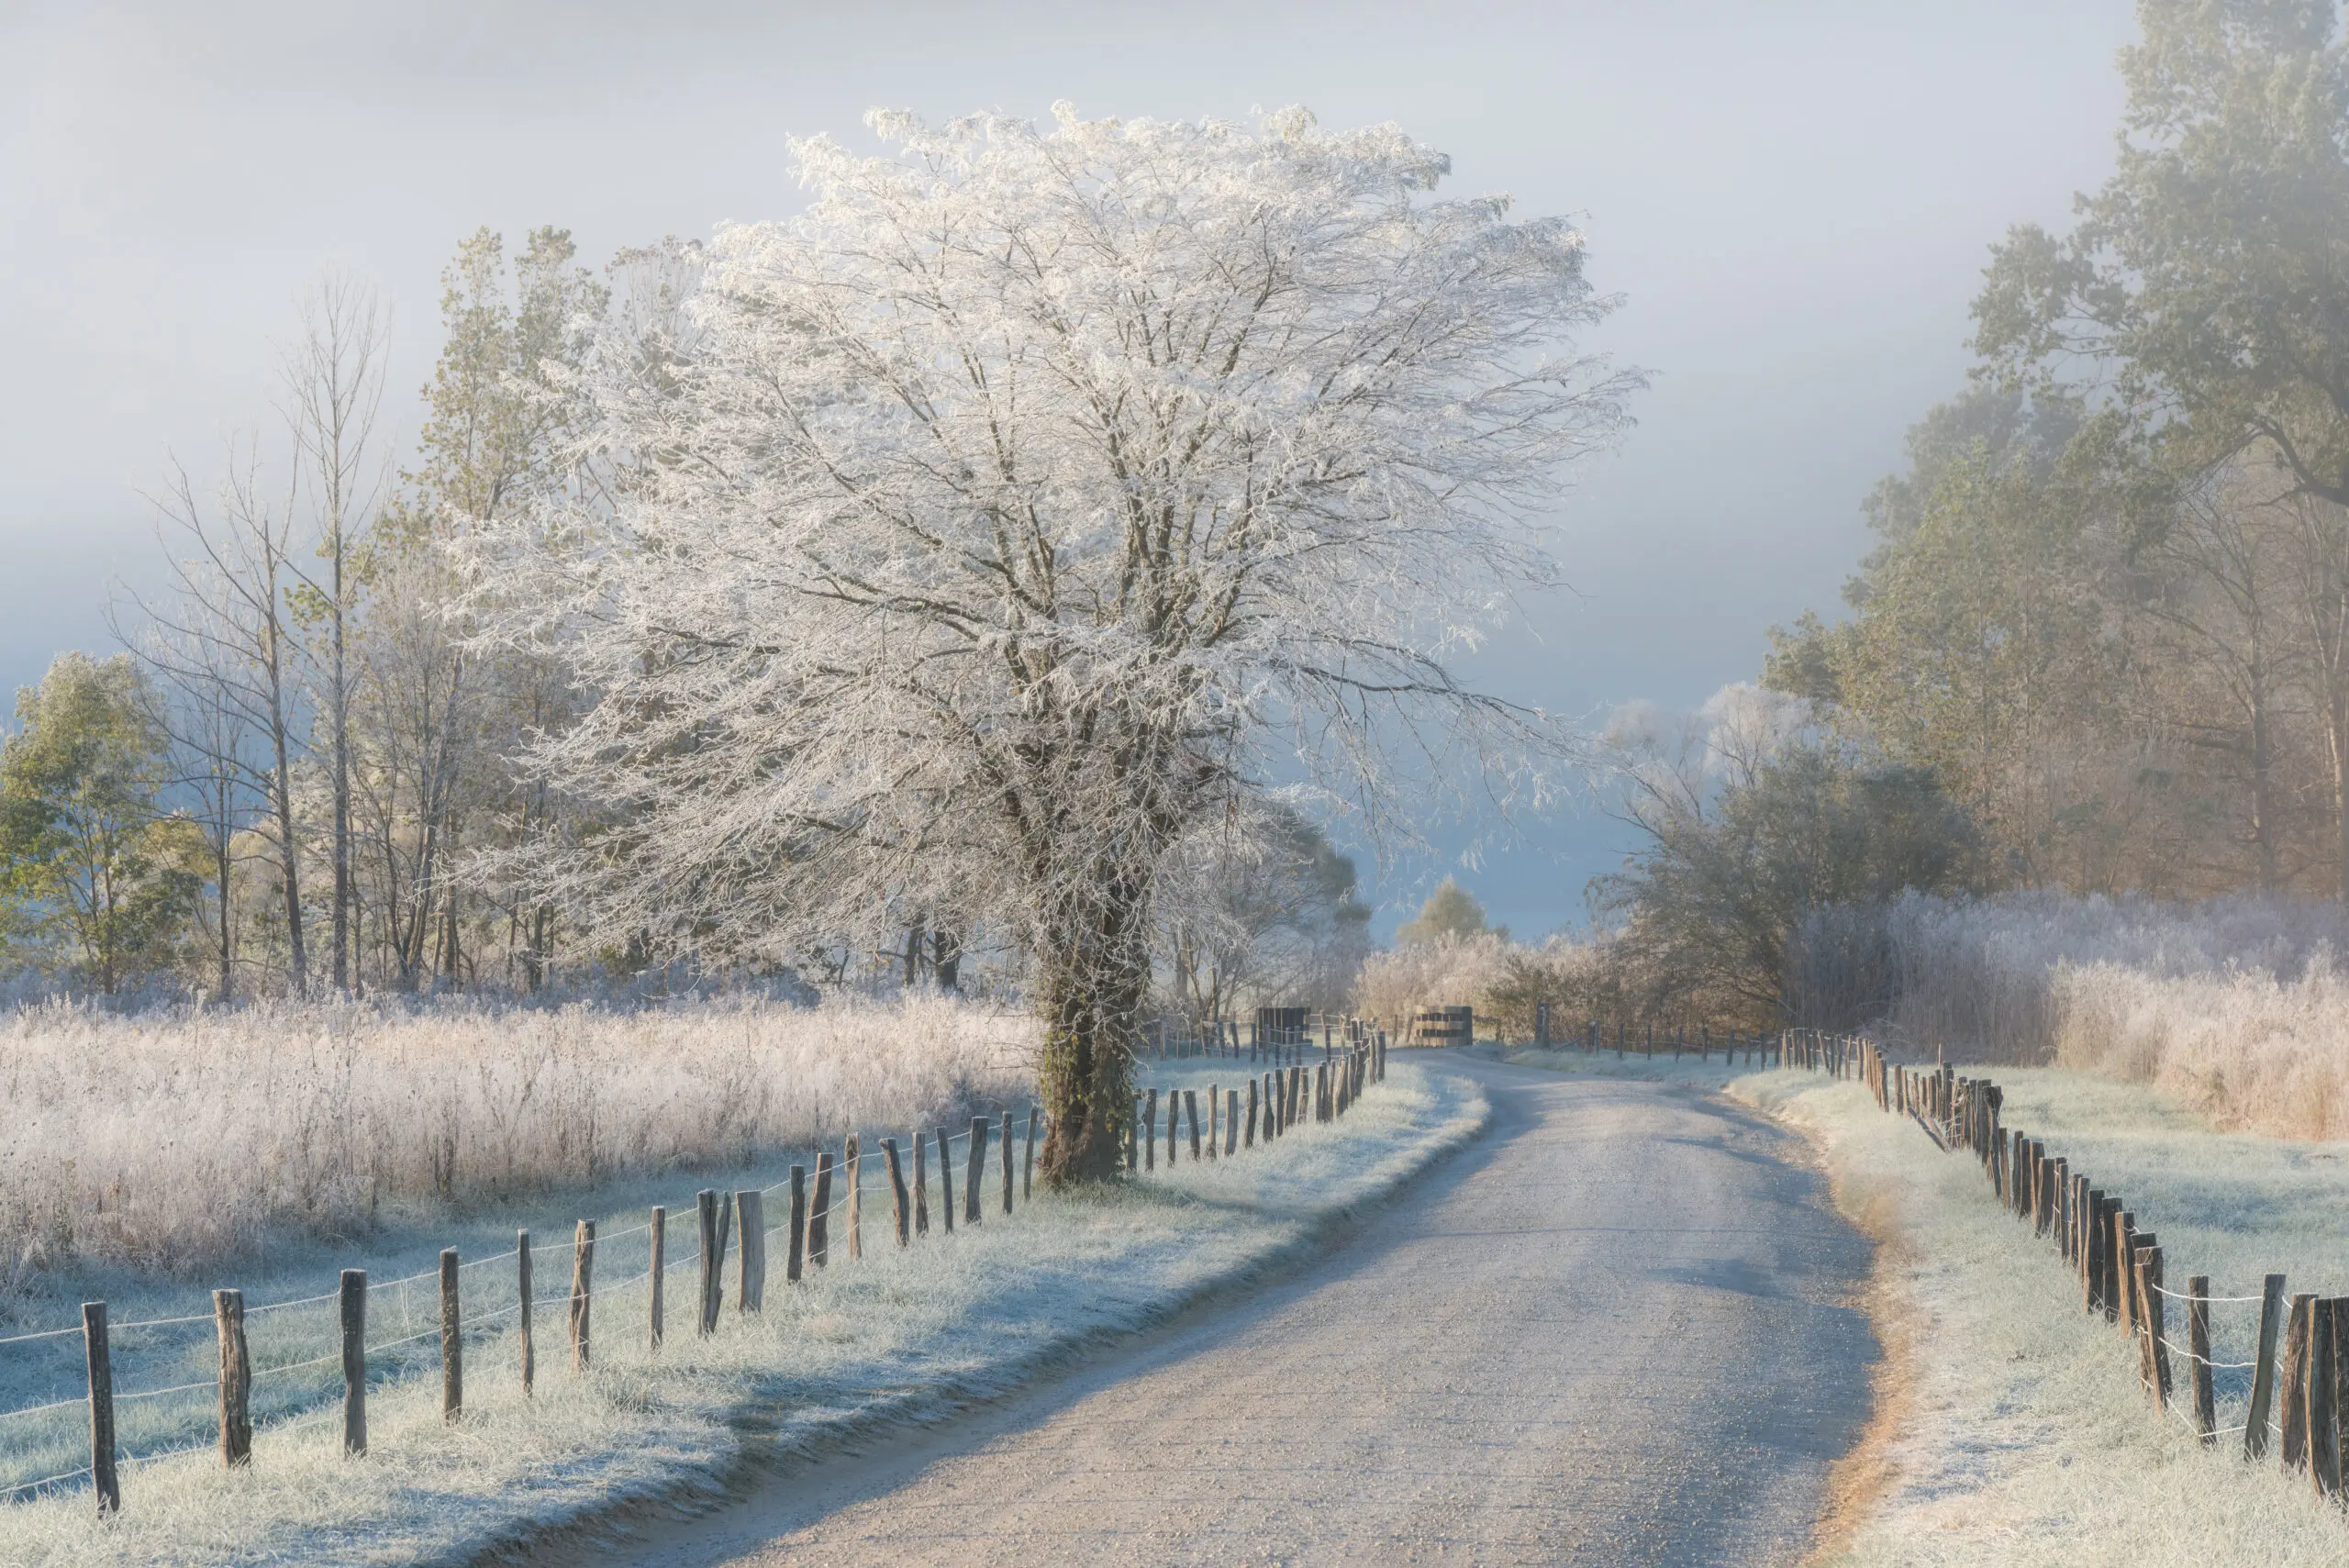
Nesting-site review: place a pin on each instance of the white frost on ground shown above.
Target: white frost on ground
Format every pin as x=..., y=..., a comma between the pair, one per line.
x=2021, y=1435
x=902, y=1336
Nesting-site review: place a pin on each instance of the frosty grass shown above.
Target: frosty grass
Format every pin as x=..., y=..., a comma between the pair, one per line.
x=906, y=1336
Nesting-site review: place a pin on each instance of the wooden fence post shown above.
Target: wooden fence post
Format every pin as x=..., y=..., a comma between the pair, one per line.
x=522, y=1309
x=850, y=1173
x=2061, y=1205
x=2263, y=1371
x=236, y=1379
x=1173, y=1125
x=2117, y=1309
x=922, y=1187
x=1251, y=1115
x=900, y=1208
x=353, y=1315
x=1215, y=1137
x=974, y=1170
x=706, y=1212
x=1149, y=1134
x=1191, y=1108
x=2294, y=1377
x=1006, y=1151
x=1027, y=1159
x=658, y=1276
x=2092, y=1253
x=2323, y=1404
x=819, y=1213
x=99, y=1359
x=452, y=1341
x=583, y=1292
x=2198, y=1350
x=795, y=1247
x=751, y=1220
x=1231, y=1119
x=946, y=1179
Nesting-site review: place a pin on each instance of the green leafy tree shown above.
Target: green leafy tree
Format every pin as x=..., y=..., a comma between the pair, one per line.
x=1979, y=647
x=2205, y=292
x=93, y=864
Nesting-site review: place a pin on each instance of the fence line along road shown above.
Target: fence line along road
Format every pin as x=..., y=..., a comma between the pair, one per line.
x=1292, y=1087
x=2300, y=1364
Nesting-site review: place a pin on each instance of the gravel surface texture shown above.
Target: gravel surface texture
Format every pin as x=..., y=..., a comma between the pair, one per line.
x=1622, y=1328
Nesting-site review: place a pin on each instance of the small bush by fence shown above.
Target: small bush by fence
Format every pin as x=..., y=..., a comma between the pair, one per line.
x=371, y=1332
x=2290, y=1391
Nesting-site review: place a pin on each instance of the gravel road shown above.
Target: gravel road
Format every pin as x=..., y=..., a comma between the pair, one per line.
x=1618, y=1329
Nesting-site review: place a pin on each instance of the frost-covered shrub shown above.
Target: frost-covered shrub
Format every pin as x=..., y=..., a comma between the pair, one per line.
x=1448, y=971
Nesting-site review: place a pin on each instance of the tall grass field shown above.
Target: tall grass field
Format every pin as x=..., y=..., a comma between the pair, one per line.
x=2237, y=1007
x=181, y=1140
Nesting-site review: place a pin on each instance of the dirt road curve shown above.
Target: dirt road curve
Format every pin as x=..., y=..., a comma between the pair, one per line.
x=1617, y=1331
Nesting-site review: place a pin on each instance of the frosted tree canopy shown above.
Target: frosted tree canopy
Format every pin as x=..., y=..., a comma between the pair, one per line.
x=969, y=541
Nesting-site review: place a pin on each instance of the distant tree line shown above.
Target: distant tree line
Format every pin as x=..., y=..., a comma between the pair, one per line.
x=2101, y=643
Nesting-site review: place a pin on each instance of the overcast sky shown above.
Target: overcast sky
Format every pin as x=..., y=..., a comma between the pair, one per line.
x=1796, y=201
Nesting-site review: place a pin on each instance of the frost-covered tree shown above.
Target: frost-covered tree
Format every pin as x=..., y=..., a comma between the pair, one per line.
x=1020, y=508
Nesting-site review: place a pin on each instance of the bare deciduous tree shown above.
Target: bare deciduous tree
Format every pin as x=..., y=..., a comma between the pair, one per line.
x=331, y=381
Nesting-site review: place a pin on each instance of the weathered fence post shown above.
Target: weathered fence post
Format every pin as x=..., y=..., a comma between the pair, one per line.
x=1173, y=1125
x=1191, y=1108
x=922, y=1187
x=1250, y=1135
x=1215, y=1104
x=583, y=1292
x=751, y=1220
x=1006, y=1151
x=946, y=1179
x=2093, y=1225
x=99, y=1359
x=974, y=1170
x=236, y=1379
x=1028, y=1158
x=2294, y=1380
x=795, y=1247
x=2263, y=1371
x=2118, y=1310
x=705, y=1211
x=2325, y=1368
x=850, y=1172
x=900, y=1209
x=819, y=1213
x=2323, y=1401
x=1232, y=1119
x=2198, y=1350
x=354, y=1314
x=658, y=1276
x=522, y=1309
x=1149, y=1134
x=452, y=1341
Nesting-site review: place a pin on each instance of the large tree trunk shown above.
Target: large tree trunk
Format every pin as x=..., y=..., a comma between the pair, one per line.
x=1096, y=976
